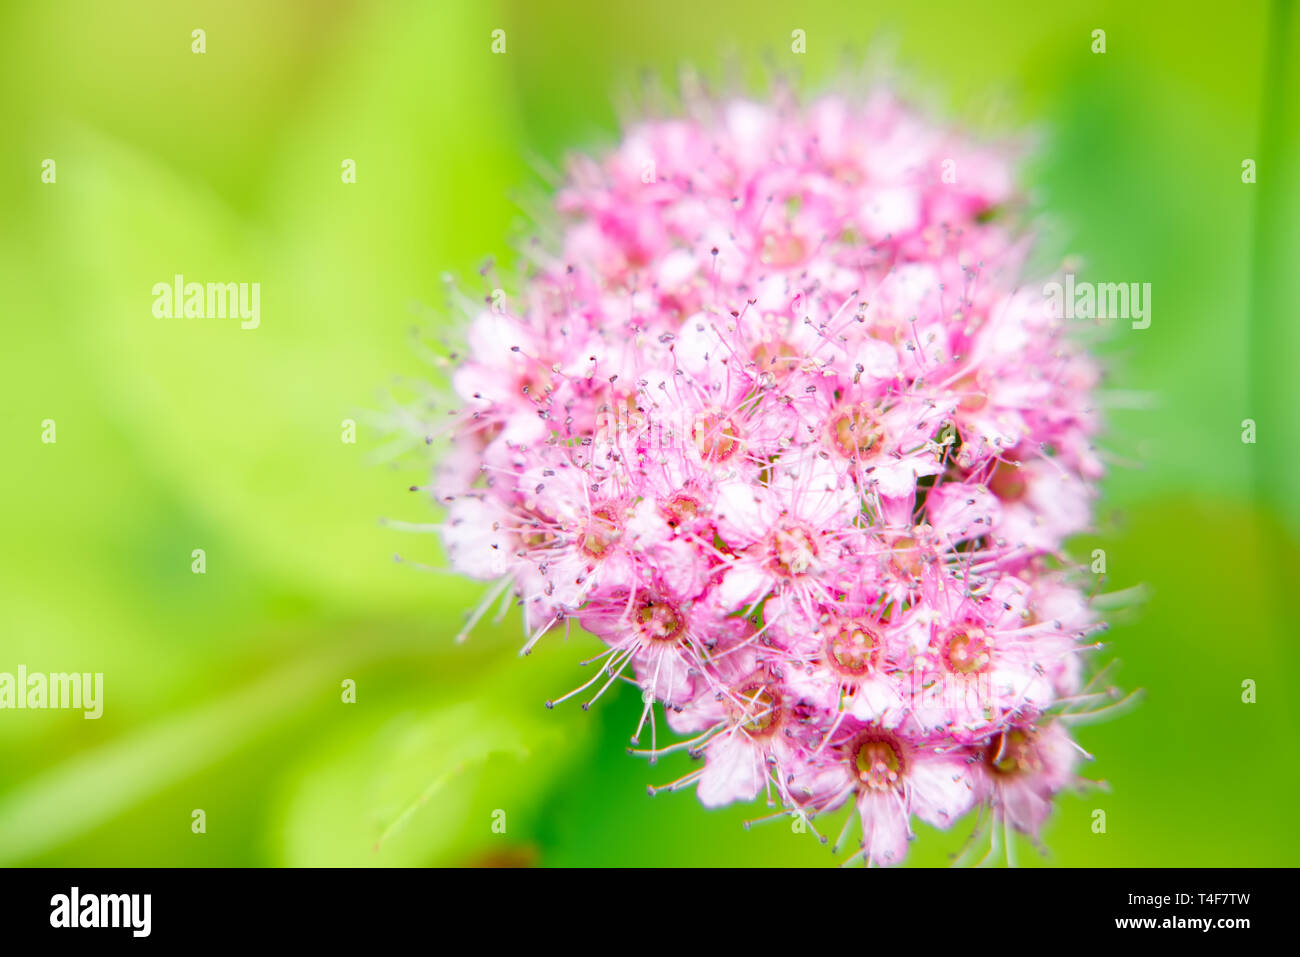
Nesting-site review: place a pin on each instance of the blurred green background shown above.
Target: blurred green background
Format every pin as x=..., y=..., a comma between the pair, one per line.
x=223, y=690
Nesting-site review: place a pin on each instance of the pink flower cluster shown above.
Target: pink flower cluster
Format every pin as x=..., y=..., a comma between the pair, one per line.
x=777, y=422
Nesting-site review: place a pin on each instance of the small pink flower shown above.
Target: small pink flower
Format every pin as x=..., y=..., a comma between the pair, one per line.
x=891, y=777
x=1020, y=771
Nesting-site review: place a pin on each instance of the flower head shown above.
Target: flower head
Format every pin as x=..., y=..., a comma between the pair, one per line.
x=778, y=422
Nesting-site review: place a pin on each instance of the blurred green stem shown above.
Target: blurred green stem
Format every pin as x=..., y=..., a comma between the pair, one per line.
x=95, y=786
x=1274, y=337
x=1274, y=329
